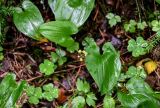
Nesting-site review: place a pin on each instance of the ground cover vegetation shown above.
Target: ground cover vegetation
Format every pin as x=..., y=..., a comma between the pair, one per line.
x=80, y=54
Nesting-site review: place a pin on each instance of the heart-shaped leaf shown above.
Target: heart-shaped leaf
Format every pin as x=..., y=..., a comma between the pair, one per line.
x=60, y=32
x=104, y=68
x=76, y=11
x=28, y=19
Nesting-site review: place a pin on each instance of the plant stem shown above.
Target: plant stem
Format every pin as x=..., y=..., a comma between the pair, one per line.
x=138, y=10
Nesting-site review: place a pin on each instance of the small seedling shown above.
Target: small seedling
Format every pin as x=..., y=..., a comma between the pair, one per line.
x=59, y=57
x=47, y=67
x=50, y=92
x=113, y=19
x=84, y=95
x=141, y=25
x=131, y=26
x=133, y=72
x=155, y=25
x=36, y=93
x=138, y=47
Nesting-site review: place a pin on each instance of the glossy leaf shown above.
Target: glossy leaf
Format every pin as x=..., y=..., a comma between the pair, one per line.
x=10, y=91
x=134, y=100
x=76, y=11
x=60, y=32
x=104, y=68
x=28, y=19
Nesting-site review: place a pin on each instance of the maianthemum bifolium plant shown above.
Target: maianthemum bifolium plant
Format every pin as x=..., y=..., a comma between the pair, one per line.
x=29, y=21
x=109, y=79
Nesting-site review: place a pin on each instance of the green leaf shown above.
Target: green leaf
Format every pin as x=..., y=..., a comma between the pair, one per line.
x=138, y=72
x=141, y=25
x=108, y=102
x=47, y=67
x=90, y=100
x=110, y=16
x=60, y=32
x=82, y=86
x=33, y=100
x=133, y=22
x=158, y=1
x=134, y=100
x=10, y=91
x=148, y=104
x=28, y=19
x=75, y=3
x=30, y=90
x=138, y=47
x=112, y=22
x=78, y=102
x=138, y=85
x=76, y=11
x=15, y=95
x=104, y=68
x=50, y=92
x=118, y=18
x=38, y=92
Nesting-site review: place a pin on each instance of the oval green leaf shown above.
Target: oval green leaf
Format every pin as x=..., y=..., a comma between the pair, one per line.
x=76, y=11
x=60, y=32
x=28, y=19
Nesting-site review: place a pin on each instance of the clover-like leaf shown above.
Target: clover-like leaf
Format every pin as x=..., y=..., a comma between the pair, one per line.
x=110, y=16
x=113, y=19
x=138, y=72
x=28, y=19
x=50, y=92
x=141, y=25
x=155, y=25
x=34, y=94
x=138, y=47
x=76, y=11
x=104, y=68
x=130, y=27
x=47, y=67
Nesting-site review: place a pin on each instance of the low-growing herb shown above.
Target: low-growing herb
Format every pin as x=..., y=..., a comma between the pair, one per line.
x=131, y=26
x=138, y=47
x=47, y=67
x=113, y=19
x=155, y=25
x=48, y=92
